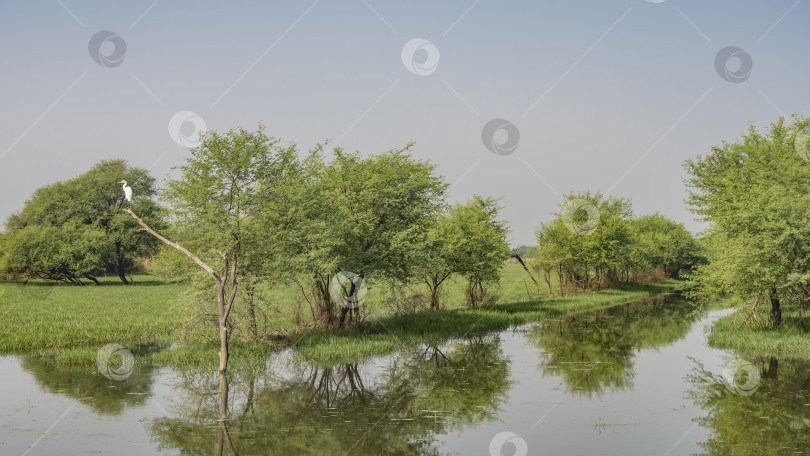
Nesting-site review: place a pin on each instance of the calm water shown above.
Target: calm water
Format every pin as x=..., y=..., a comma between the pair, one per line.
x=636, y=379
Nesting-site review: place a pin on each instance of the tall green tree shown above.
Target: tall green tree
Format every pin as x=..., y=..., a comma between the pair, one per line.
x=216, y=203
x=660, y=242
x=587, y=242
x=755, y=194
x=364, y=215
x=91, y=201
x=478, y=238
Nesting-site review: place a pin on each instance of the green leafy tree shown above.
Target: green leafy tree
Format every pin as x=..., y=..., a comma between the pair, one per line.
x=216, y=204
x=67, y=254
x=756, y=197
x=478, y=239
x=588, y=241
x=364, y=215
x=92, y=201
x=660, y=242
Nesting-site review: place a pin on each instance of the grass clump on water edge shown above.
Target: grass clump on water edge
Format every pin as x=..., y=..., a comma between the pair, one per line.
x=382, y=336
x=758, y=337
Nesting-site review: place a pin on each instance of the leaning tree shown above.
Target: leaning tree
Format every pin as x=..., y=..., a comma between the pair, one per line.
x=215, y=204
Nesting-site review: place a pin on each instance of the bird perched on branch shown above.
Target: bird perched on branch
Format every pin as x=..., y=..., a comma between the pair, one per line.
x=127, y=190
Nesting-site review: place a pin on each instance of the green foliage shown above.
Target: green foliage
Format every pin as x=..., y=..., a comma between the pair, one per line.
x=662, y=242
x=89, y=207
x=365, y=215
x=755, y=194
x=68, y=254
x=594, y=242
x=370, y=211
x=526, y=251
x=467, y=240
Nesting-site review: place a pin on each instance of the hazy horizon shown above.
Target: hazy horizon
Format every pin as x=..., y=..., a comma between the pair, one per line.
x=605, y=96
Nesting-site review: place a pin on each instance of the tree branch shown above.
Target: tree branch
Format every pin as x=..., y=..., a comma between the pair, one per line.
x=175, y=245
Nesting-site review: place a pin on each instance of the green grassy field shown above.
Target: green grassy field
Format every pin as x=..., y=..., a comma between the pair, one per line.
x=757, y=338
x=69, y=323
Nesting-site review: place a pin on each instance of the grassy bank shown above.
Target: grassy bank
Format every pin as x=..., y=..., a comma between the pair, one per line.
x=757, y=338
x=70, y=324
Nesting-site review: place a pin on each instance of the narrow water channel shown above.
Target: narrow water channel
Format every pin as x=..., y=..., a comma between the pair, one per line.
x=634, y=379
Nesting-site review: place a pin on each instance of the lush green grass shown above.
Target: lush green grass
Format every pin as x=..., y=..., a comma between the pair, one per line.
x=757, y=338
x=43, y=315
x=70, y=323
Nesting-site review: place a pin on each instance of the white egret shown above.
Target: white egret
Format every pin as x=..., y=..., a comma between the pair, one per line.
x=127, y=190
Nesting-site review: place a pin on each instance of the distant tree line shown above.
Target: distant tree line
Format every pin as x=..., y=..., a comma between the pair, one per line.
x=595, y=242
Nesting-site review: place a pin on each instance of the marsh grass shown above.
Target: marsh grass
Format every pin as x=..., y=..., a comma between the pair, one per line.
x=68, y=324
x=45, y=316
x=758, y=337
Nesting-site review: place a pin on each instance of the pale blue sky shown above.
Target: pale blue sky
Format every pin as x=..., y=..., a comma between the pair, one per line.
x=607, y=95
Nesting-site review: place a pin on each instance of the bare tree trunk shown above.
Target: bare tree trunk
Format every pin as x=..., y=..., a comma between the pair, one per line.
x=119, y=266
x=223, y=329
x=776, y=308
x=434, y=297
x=548, y=283
x=520, y=260
x=223, y=436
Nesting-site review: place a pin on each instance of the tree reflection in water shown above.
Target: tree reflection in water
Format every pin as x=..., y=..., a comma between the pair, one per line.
x=594, y=352
x=89, y=387
x=336, y=409
x=773, y=420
